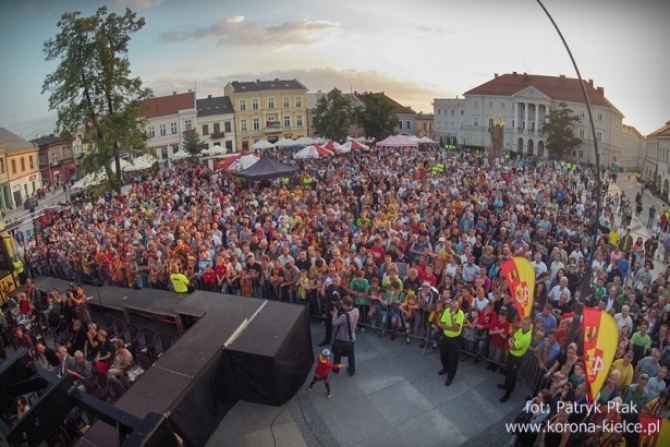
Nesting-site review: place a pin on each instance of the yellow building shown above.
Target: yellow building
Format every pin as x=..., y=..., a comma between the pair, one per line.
x=5, y=195
x=22, y=167
x=268, y=110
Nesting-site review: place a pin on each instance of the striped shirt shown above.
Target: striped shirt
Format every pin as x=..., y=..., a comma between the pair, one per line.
x=340, y=324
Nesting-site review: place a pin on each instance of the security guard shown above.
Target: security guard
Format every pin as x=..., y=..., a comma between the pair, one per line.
x=518, y=345
x=179, y=281
x=451, y=324
x=18, y=268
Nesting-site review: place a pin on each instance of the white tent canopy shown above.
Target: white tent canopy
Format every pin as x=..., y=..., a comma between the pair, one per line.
x=140, y=163
x=244, y=162
x=216, y=150
x=285, y=142
x=180, y=154
x=305, y=141
x=425, y=140
x=263, y=144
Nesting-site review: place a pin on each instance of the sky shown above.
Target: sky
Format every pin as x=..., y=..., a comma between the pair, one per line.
x=413, y=50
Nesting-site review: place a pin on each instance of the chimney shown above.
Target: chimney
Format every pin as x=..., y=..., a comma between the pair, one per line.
x=561, y=77
x=190, y=90
x=495, y=75
x=514, y=73
x=258, y=81
x=276, y=79
x=174, y=93
x=591, y=82
x=601, y=90
x=209, y=96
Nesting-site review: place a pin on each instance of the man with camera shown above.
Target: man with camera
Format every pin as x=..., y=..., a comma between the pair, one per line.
x=335, y=291
x=344, y=321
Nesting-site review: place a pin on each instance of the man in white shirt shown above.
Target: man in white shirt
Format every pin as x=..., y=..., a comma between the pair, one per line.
x=539, y=266
x=559, y=289
x=623, y=318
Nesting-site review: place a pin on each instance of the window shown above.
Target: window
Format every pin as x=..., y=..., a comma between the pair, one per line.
x=188, y=124
x=173, y=128
x=229, y=147
x=453, y=125
x=257, y=124
x=217, y=128
x=243, y=105
x=599, y=136
x=581, y=114
x=287, y=102
x=254, y=104
x=243, y=125
x=491, y=122
x=476, y=119
x=298, y=120
x=13, y=166
x=581, y=133
x=298, y=101
x=400, y=124
x=152, y=132
x=287, y=121
x=271, y=103
x=462, y=112
x=581, y=154
x=453, y=111
x=490, y=104
x=228, y=126
x=23, y=163
x=476, y=104
x=205, y=129
x=162, y=130
x=31, y=162
x=599, y=116
x=502, y=105
x=409, y=124
x=2, y=166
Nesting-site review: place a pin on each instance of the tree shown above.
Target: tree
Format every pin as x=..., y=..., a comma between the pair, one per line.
x=559, y=128
x=193, y=144
x=91, y=88
x=332, y=116
x=377, y=117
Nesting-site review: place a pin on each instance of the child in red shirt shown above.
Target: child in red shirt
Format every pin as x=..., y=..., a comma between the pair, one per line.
x=323, y=368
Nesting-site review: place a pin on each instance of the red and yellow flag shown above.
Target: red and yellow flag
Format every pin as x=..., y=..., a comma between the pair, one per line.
x=655, y=431
x=520, y=277
x=600, y=342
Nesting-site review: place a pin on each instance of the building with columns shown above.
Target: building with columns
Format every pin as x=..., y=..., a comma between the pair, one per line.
x=523, y=102
x=656, y=170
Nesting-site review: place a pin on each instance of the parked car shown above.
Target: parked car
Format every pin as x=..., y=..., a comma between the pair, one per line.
x=30, y=203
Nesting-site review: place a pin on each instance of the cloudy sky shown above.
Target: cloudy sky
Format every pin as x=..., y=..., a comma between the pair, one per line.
x=414, y=50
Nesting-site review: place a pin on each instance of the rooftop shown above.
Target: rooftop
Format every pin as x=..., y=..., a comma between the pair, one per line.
x=14, y=142
x=214, y=106
x=662, y=132
x=631, y=131
x=397, y=107
x=47, y=140
x=313, y=98
x=560, y=88
x=167, y=105
x=277, y=84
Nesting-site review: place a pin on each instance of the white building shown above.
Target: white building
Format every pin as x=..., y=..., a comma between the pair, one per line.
x=168, y=117
x=524, y=101
x=656, y=169
x=633, y=149
x=216, y=122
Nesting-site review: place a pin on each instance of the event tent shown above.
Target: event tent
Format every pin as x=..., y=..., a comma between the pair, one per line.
x=216, y=150
x=426, y=140
x=397, y=141
x=266, y=169
x=315, y=151
x=243, y=162
x=180, y=154
x=305, y=141
x=140, y=163
x=285, y=142
x=356, y=146
x=263, y=144
x=333, y=146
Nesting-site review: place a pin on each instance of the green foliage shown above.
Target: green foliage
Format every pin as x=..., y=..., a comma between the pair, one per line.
x=92, y=88
x=332, y=116
x=377, y=118
x=560, y=131
x=193, y=144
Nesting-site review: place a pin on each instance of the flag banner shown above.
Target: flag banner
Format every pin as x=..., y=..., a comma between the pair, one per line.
x=600, y=342
x=654, y=432
x=520, y=277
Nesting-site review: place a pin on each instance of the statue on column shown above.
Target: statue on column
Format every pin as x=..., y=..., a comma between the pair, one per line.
x=497, y=137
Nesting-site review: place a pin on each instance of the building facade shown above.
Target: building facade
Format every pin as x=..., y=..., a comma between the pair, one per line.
x=5, y=190
x=523, y=101
x=56, y=159
x=656, y=170
x=169, y=118
x=267, y=110
x=22, y=168
x=216, y=122
x=633, y=149
x=424, y=125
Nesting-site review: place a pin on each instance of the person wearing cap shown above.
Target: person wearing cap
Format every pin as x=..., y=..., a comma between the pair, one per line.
x=634, y=398
x=625, y=367
x=323, y=368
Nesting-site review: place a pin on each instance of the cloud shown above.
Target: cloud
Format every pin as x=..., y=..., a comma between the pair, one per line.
x=415, y=95
x=238, y=30
x=139, y=4
x=425, y=29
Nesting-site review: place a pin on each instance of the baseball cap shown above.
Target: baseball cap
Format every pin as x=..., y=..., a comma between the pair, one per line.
x=644, y=376
x=325, y=353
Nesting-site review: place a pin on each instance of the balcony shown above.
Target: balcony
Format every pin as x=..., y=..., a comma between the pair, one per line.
x=217, y=135
x=273, y=127
x=53, y=164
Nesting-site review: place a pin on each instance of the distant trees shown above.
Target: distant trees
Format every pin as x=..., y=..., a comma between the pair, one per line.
x=193, y=145
x=377, y=117
x=333, y=115
x=560, y=133
x=92, y=87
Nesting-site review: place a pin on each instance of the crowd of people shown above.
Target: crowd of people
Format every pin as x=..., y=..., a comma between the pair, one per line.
x=415, y=240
